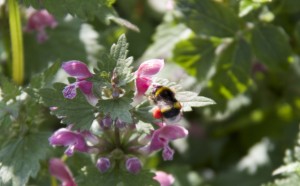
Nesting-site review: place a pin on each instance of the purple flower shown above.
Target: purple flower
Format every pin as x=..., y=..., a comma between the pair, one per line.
x=39, y=21
x=66, y=137
x=163, y=178
x=133, y=165
x=59, y=170
x=103, y=164
x=161, y=137
x=145, y=73
x=168, y=153
x=80, y=71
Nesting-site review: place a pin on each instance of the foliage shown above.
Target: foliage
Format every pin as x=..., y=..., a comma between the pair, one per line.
x=242, y=54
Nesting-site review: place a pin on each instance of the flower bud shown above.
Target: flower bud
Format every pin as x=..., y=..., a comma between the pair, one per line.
x=133, y=165
x=103, y=164
x=106, y=122
x=120, y=124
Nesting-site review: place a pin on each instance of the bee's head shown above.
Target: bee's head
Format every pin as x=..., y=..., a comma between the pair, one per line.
x=155, y=87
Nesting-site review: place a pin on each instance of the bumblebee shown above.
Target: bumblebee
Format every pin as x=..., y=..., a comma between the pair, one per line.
x=168, y=107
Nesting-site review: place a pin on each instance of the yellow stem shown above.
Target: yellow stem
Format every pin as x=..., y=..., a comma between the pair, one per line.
x=16, y=42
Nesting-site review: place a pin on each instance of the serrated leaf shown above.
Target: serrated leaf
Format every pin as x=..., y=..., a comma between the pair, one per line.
x=76, y=111
x=8, y=113
x=196, y=56
x=209, y=18
x=9, y=90
x=142, y=112
x=92, y=177
x=117, y=108
x=106, y=64
x=119, y=50
x=271, y=45
x=42, y=80
x=191, y=99
x=116, y=62
x=20, y=158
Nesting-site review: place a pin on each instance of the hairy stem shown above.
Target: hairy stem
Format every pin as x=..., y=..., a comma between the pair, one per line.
x=16, y=42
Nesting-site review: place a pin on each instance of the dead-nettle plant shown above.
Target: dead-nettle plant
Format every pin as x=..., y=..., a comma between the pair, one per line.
x=118, y=116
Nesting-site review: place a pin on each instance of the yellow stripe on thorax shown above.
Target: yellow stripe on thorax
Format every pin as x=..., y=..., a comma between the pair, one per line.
x=161, y=89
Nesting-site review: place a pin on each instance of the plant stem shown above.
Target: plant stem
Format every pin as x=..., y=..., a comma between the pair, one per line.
x=16, y=42
x=117, y=137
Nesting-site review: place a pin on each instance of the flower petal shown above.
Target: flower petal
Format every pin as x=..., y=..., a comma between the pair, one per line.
x=39, y=20
x=168, y=153
x=172, y=132
x=85, y=86
x=66, y=137
x=150, y=67
x=77, y=69
x=162, y=136
x=142, y=84
x=59, y=170
x=163, y=178
x=69, y=91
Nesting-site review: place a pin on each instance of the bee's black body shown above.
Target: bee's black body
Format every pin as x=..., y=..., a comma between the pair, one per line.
x=165, y=99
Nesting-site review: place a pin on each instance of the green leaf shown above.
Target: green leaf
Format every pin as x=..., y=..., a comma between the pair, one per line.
x=116, y=62
x=271, y=45
x=76, y=111
x=117, y=108
x=92, y=177
x=142, y=112
x=209, y=18
x=8, y=113
x=191, y=99
x=119, y=51
x=196, y=56
x=232, y=76
x=20, y=158
x=9, y=90
x=166, y=36
x=43, y=79
x=247, y=6
x=38, y=55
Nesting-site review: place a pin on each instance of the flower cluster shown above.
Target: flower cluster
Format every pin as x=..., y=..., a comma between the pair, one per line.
x=115, y=143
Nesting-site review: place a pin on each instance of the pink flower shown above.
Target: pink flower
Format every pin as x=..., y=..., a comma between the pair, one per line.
x=66, y=137
x=39, y=21
x=163, y=178
x=59, y=170
x=161, y=137
x=145, y=73
x=80, y=71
